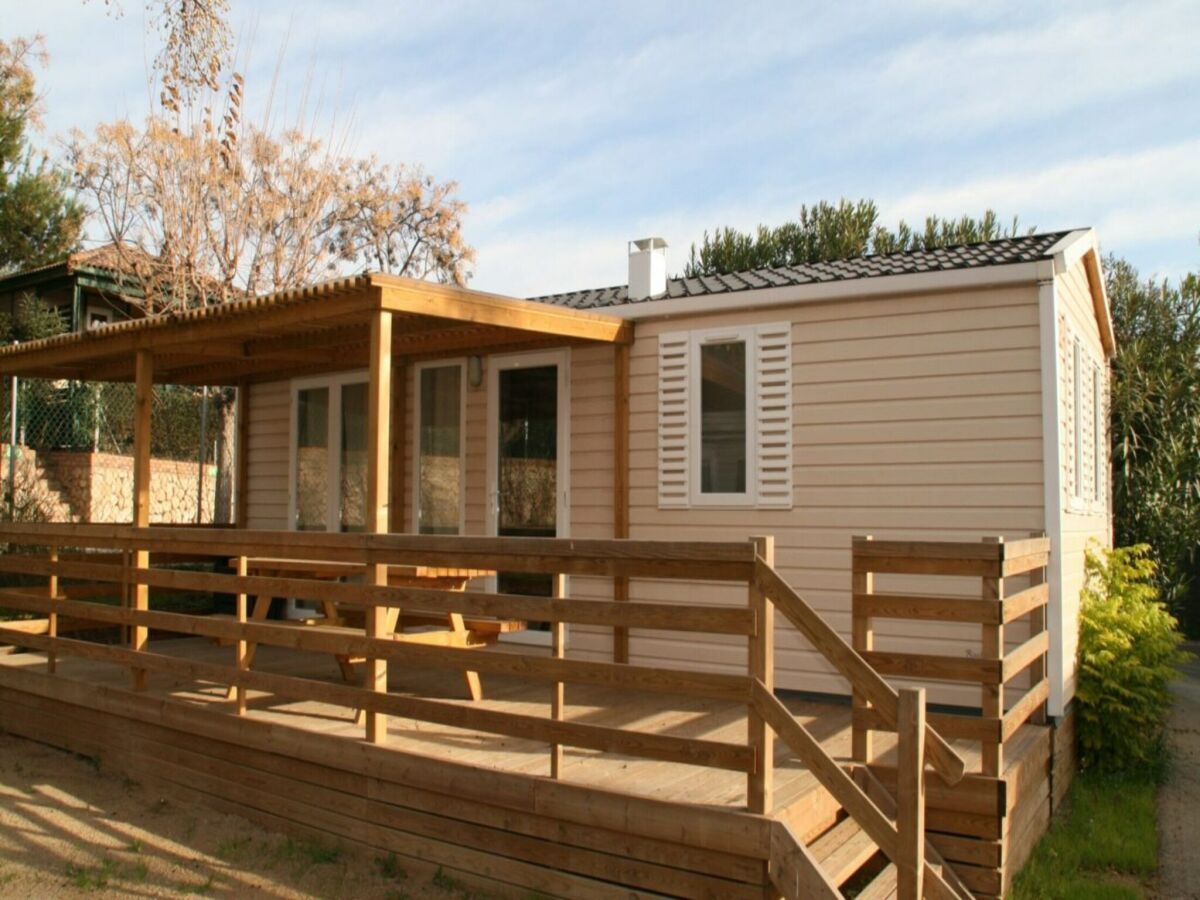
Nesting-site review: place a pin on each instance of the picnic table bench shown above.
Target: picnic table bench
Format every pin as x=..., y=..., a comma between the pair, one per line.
x=411, y=625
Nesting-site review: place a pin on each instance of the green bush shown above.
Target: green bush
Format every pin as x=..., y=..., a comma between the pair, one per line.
x=1128, y=650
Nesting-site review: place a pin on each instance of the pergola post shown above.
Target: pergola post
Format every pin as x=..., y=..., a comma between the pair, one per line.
x=143, y=400
x=379, y=410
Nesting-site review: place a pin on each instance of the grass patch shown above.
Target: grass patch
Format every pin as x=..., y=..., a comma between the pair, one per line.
x=92, y=878
x=390, y=868
x=304, y=854
x=232, y=849
x=1104, y=844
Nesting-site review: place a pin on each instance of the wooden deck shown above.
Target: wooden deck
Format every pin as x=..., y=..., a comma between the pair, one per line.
x=570, y=777
x=327, y=800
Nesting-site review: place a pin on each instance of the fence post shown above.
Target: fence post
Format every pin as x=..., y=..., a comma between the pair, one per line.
x=992, y=695
x=558, y=697
x=52, y=615
x=1037, y=624
x=243, y=661
x=144, y=393
x=910, y=794
x=863, y=640
x=759, y=785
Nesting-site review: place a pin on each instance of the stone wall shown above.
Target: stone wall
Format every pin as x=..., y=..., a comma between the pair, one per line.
x=98, y=487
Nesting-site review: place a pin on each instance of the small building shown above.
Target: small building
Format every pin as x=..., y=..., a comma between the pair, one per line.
x=86, y=287
x=951, y=404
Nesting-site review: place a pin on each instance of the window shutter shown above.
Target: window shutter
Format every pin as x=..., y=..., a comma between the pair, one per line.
x=673, y=403
x=773, y=404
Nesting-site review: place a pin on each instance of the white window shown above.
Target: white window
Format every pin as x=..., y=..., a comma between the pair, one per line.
x=725, y=417
x=439, y=442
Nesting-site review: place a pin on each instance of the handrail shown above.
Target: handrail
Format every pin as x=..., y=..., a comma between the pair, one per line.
x=699, y=560
x=861, y=808
x=853, y=667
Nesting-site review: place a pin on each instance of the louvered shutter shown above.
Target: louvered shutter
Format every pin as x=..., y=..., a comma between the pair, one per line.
x=773, y=406
x=673, y=459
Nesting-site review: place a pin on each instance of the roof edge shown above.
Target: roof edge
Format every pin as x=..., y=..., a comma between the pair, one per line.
x=848, y=289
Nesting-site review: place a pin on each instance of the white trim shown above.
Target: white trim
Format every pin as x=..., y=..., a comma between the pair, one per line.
x=461, y=363
x=1052, y=491
x=1100, y=473
x=698, y=340
x=1072, y=247
x=496, y=364
x=849, y=289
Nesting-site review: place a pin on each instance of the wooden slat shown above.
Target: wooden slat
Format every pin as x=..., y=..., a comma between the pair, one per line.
x=734, y=620
x=942, y=668
x=1025, y=601
x=1025, y=707
x=934, y=550
x=852, y=665
x=1022, y=564
x=921, y=565
x=1026, y=654
x=949, y=725
x=915, y=606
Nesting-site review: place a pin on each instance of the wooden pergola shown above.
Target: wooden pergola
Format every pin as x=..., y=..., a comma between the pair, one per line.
x=368, y=321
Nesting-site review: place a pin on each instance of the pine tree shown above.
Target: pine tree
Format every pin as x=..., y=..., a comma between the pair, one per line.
x=39, y=220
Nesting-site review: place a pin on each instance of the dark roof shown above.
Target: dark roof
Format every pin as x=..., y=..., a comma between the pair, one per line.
x=1006, y=251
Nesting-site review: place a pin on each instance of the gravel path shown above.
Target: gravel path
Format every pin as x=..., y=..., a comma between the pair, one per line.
x=1179, y=800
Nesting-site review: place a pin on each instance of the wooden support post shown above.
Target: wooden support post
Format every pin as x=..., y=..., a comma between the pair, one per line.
x=621, y=485
x=379, y=410
x=759, y=783
x=863, y=640
x=992, y=695
x=910, y=793
x=399, y=437
x=52, y=616
x=558, y=697
x=243, y=658
x=143, y=404
x=1037, y=624
x=241, y=465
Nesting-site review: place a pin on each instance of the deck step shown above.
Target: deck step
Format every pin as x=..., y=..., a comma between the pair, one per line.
x=883, y=887
x=843, y=850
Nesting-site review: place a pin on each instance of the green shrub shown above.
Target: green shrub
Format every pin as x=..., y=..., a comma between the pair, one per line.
x=1128, y=650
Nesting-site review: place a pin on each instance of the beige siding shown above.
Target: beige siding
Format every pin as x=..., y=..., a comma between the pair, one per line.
x=267, y=455
x=1084, y=520
x=914, y=417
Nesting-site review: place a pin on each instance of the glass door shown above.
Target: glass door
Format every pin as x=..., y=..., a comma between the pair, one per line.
x=329, y=459
x=528, y=466
x=439, y=443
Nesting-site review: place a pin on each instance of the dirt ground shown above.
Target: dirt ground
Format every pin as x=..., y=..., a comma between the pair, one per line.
x=70, y=829
x=1179, y=800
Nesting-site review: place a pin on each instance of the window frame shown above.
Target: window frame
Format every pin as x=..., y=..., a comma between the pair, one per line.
x=461, y=364
x=745, y=334
x=1100, y=474
x=1077, y=420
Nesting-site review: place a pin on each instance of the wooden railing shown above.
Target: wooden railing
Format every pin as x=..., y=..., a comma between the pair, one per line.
x=132, y=560
x=995, y=607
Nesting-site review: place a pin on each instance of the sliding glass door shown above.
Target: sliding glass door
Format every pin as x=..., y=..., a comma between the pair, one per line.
x=440, y=424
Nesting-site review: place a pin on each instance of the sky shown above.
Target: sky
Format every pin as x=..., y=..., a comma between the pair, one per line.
x=573, y=127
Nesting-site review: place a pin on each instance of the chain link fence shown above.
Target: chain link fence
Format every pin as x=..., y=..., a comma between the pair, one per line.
x=68, y=452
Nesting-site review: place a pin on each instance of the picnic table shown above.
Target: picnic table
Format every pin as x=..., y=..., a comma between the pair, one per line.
x=411, y=625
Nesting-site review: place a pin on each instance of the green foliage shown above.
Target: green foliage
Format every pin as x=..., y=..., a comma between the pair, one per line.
x=39, y=219
x=1155, y=412
x=827, y=232
x=1105, y=844
x=1128, y=650
x=32, y=320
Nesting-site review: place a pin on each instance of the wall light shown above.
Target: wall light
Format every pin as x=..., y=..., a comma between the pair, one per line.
x=475, y=371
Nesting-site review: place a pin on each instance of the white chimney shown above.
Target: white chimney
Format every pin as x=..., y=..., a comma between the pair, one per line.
x=647, y=268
